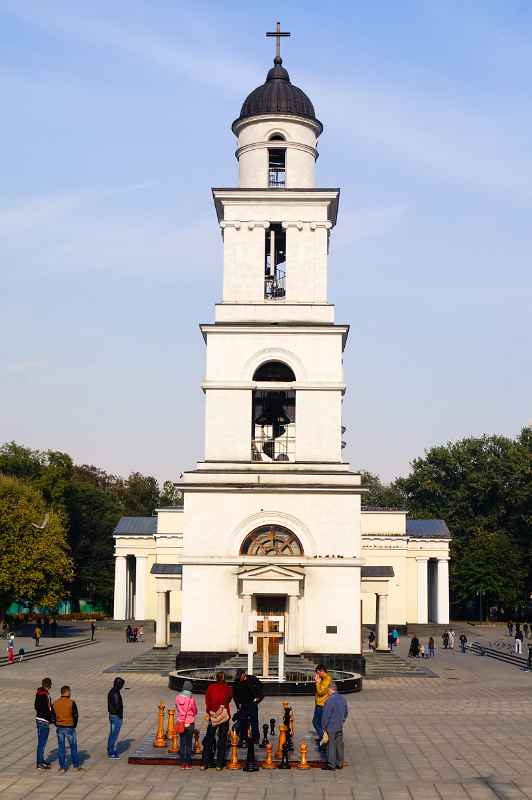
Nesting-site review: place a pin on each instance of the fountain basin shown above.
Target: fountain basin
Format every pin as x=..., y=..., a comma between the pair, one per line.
x=295, y=683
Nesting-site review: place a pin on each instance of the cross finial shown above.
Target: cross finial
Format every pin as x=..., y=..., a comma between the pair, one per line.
x=277, y=33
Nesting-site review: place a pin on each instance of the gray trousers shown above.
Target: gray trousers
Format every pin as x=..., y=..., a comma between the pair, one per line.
x=335, y=749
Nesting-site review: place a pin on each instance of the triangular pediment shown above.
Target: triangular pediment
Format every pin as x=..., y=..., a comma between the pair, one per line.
x=271, y=572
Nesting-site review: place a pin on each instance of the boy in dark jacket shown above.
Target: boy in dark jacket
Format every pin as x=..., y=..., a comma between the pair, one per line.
x=44, y=717
x=115, y=707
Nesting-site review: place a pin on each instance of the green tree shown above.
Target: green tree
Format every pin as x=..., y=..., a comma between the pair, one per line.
x=141, y=495
x=35, y=565
x=381, y=494
x=170, y=495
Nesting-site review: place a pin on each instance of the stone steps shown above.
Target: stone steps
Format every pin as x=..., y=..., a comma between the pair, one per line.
x=500, y=654
x=389, y=665
x=155, y=662
x=41, y=652
x=427, y=629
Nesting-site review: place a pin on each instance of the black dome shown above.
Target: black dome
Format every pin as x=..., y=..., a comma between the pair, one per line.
x=277, y=96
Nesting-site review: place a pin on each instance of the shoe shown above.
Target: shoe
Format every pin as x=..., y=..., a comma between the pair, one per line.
x=203, y=767
x=80, y=769
x=183, y=766
x=113, y=756
x=189, y=766
x=62, y=770
x=328, y=768
x=48, y=764
x=43, y=766
x=219, y=769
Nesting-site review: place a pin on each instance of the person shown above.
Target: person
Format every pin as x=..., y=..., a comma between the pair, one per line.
x=217, y=705
x=463, y=642
x=10, y=654
x=44, y=717
x=431, y=646
x=525, y=629
x=247, y=694
x=53, y=627
x=510, y=628
x=66, y=721
x=333, y=719
x=451, y=638
x=115, y=708
x=518, y=641
x=372, y=641
x=46, y=625
x=37, y=635
x=413, y=651
x=135, y=634
x=141, y=634
x=445, y=640
x=93, y=629
x=395, y=637
x=323, y=681
x=186, y=712
x=422, y=650
x=129, y=634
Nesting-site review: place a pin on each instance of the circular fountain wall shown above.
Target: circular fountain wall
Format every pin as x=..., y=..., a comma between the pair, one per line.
x=295, y=683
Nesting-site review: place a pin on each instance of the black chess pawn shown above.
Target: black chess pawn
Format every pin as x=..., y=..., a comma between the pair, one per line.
x=251, y=764
x=264, y=735
x=272, y=727
x=284, y=758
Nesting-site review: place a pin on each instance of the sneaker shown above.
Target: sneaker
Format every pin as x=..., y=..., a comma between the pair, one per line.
x=183, y=766
x=62, y=770
x=43, y=766
x=80, y=769
x=48, y=764
x=113, y=756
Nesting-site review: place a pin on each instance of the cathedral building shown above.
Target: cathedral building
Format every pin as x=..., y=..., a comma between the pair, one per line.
x=271, y=536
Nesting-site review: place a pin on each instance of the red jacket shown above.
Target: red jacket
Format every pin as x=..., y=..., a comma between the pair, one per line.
x=218, y=694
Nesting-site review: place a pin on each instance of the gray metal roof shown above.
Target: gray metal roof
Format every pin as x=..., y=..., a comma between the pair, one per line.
x=136, y=526
x=377, y=572
x=167, y=569
x=429, y=528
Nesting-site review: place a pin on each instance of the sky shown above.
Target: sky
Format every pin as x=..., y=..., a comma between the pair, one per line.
x=115, y=124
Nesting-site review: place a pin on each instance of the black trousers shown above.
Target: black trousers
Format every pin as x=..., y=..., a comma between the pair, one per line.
x=215, y=745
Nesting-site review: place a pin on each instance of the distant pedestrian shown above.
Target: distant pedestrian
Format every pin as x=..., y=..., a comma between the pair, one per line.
x=186, y=712
x=529, y=659
x=93, y=629
x=431, y=646
x=463, y=642
x=422, y=650
x=525, y=629
x=37, y=633
x=510, y=627
x=44, y=717
x=372, y=642
x=395, y=637
x=21, y=653
x=129, y=634
x=518, y=647
x=413, y=651
x=334, y=715
x=451, y=638
x=10, y=654
x=115, y=708
x=445, y=640
x=46, y=625
x=53, y=627
x=66, y=720
x=141, y=634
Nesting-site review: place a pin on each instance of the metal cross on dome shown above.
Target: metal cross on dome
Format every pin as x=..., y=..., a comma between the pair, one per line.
x=277, y=33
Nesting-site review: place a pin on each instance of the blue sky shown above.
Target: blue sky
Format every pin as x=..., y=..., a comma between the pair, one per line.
x=116, y=123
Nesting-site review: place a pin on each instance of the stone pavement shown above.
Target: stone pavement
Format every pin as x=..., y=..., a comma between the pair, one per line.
x=466, y=735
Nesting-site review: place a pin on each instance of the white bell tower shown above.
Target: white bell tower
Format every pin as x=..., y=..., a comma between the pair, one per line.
x=273, y=405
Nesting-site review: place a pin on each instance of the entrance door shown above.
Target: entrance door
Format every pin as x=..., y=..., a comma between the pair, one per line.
x=275, y=606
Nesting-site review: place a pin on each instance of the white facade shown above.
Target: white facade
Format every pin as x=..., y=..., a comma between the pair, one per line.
x=272, y=514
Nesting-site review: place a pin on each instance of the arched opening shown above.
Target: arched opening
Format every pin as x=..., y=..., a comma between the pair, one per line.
x=273, y=417
x=274, y=371
x=277, y=137
x=271, y=540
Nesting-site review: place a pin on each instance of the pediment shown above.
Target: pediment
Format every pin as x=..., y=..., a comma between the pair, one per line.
x=272, y=572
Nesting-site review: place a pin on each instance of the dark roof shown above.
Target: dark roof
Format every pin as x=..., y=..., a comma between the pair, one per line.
x=139, y=526
x=377, y=572
x=166, y=569
x=277, y=96
x=429, y=528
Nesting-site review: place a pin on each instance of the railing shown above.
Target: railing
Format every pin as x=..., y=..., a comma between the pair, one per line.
x=276, y=178
x=266, y=449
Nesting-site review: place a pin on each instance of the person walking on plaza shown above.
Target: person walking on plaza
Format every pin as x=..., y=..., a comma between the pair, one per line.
x=44, y=717
x=445, y=640
x=529, y=659
x=186, y=713
x=395, y=637
x=323, y=681
x=525, y=629
x=141, y=634
x=115, y=708
x=333, y=719
x=53, y=627
x=510, y=628
x=248, y=694
x=431, y=647
x=463, y=642
x=372, y=641
x=217, y=702
x=93, y=629
x=518, y=647
x=66, y=721
x=37, y=633
x=452, y=636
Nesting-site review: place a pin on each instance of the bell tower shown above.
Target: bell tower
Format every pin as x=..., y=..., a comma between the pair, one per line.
x=274, y=386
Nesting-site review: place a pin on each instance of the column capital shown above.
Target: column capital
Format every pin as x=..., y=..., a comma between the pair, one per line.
x=249, y=223
x=422, y=558
x=297, y=224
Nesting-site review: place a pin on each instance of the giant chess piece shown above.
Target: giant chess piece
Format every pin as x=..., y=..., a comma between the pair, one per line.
x=251, y=764
x=160, y=738
x=284, y=760
x=264, y=735
x=170, y=727
x=268, y=762
x=303, y=752
x=287, y=720
x=272, y=727
x=197, y=746
x=281, y=741
x=174, y=747
x=233, y=761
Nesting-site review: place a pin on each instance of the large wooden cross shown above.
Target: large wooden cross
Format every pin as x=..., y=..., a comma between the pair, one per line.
x=277, y=33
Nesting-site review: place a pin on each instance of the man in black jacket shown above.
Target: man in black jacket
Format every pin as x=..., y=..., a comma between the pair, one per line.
x=44, y=714
x=115, y=708
x=247, y=694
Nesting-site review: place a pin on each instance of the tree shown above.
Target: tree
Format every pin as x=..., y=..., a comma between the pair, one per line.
x=380, y=494
x=35, y=565
x=170, y=496
x=141, y=495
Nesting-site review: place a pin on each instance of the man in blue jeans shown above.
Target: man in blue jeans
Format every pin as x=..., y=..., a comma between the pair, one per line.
x=44, y=717
x=66, y=720
x=115, y=707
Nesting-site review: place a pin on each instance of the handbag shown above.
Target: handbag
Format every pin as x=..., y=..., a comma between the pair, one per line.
x=179, y=725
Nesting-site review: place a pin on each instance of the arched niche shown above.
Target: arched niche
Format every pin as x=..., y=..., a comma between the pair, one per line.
x=271, y=540
x=276, y=371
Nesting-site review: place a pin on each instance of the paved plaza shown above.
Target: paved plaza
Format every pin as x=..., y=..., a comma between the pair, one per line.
x=466, y=734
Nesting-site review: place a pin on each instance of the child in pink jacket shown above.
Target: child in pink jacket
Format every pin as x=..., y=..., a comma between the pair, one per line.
x=186, y=712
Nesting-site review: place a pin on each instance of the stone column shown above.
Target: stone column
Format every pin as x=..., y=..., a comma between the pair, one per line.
x=281, y=660
x=443, y=591
x=422, y=590
x=244, y=628
x=382, y=622
x=292, y=645
x=168, y=618
x=161, y=621
x=120, y=588
x=140, y=587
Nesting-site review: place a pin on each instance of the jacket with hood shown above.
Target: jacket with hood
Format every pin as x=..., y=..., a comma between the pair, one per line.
x=43, y=706
x=114, y=699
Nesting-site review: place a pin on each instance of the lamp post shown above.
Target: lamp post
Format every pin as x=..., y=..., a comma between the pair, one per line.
x=480, y=593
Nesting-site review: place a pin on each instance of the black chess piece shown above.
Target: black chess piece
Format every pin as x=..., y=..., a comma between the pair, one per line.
x=272, y=727
x=286, y=721
x=264, y=735
x=251, y=764
x=284, y=758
